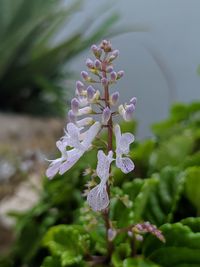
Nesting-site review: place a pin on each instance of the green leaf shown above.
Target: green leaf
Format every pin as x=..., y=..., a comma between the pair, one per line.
x=69, y=242
x=182, y=247
x=121, y=252
x=138, y=262
x=138, y=191
x=51, y=262
x=172, y=151
x=192, y=223
x=192, y=186
x=164, y=197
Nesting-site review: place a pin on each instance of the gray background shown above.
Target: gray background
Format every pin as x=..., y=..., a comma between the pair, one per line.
x=160, y=64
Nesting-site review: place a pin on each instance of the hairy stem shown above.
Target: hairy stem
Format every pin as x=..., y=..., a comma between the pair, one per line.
x=109, y=148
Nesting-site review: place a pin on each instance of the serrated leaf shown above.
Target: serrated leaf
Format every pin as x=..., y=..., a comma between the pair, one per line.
x=192, y=186
x=182, y=247
x=172, y=151
x=138, y=191
x=69, y=242
x=164, y=197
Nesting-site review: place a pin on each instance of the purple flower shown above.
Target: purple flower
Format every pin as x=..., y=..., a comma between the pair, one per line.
x=98, y=197
x=123, y=142
x=106, y=115
x=114, y=98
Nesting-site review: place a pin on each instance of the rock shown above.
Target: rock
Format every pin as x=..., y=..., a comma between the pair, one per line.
x=25, y=144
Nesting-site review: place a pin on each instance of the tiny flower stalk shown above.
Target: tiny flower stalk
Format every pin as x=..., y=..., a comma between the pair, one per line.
x=93, y=110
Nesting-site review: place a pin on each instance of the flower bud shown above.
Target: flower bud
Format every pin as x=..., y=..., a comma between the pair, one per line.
x=139, y=237
x=111, y=234
x=120, y=74
x=90, y=92
x=74, y=105
x=96, y=51
x=106, y=46
x=129, y=112
x=133, y=101
x=104, y=81
x=114, y=98
x=97, y=64
x=113, y=56
x=71, y=116
x=85, y=110
x=106, y=115
x=84, y=122
x=109, y=69
x=89, y=63
x=85, y=75
x=113, y=76
x=79, y=87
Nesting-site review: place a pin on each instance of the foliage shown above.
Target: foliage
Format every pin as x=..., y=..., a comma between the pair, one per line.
x=61, y=230
x=33, y=57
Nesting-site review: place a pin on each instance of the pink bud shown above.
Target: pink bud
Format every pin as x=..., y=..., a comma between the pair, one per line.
x=85, y=75
x=113, y=76
x=94, y=48
x=96, y=51
x=74, y=105
x=97, y=64
x=120, y=74
x=89, y=63
x=79, y=86
x=90, y=92
x=114, y=98
x=106, y=115
x=109, y=69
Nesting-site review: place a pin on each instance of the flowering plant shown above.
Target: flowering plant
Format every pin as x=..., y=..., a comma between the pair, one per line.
x=93, y=110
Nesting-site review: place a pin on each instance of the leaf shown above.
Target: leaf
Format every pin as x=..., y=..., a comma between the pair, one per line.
x=138, y=191
x=164, y=197
x=173, y=151
x=182, y=247
x=69, y=242
x=192, y=186
x=138, y=262
x=51, y=262
x=121, y=252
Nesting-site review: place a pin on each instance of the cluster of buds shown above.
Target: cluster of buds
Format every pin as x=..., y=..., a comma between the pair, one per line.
x=92, y=110
x=147, y=227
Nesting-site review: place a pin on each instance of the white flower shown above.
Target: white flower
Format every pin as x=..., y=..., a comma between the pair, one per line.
x=98, y=197
x=70, y=157
x=72, y=136
x=123, y=142
x=55, y=164
x=127, y=110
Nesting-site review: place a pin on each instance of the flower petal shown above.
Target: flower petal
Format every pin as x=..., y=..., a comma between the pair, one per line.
x=53, y=168
x=103, y=165
x=125, y=164
x=124, y=143
x=98, y=198
x=90, y=134
x=73, y=156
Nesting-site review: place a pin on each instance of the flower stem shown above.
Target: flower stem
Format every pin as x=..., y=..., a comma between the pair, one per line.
x=109, y=148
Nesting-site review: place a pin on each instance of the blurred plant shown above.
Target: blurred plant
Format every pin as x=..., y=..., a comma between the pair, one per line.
x=31, y=66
